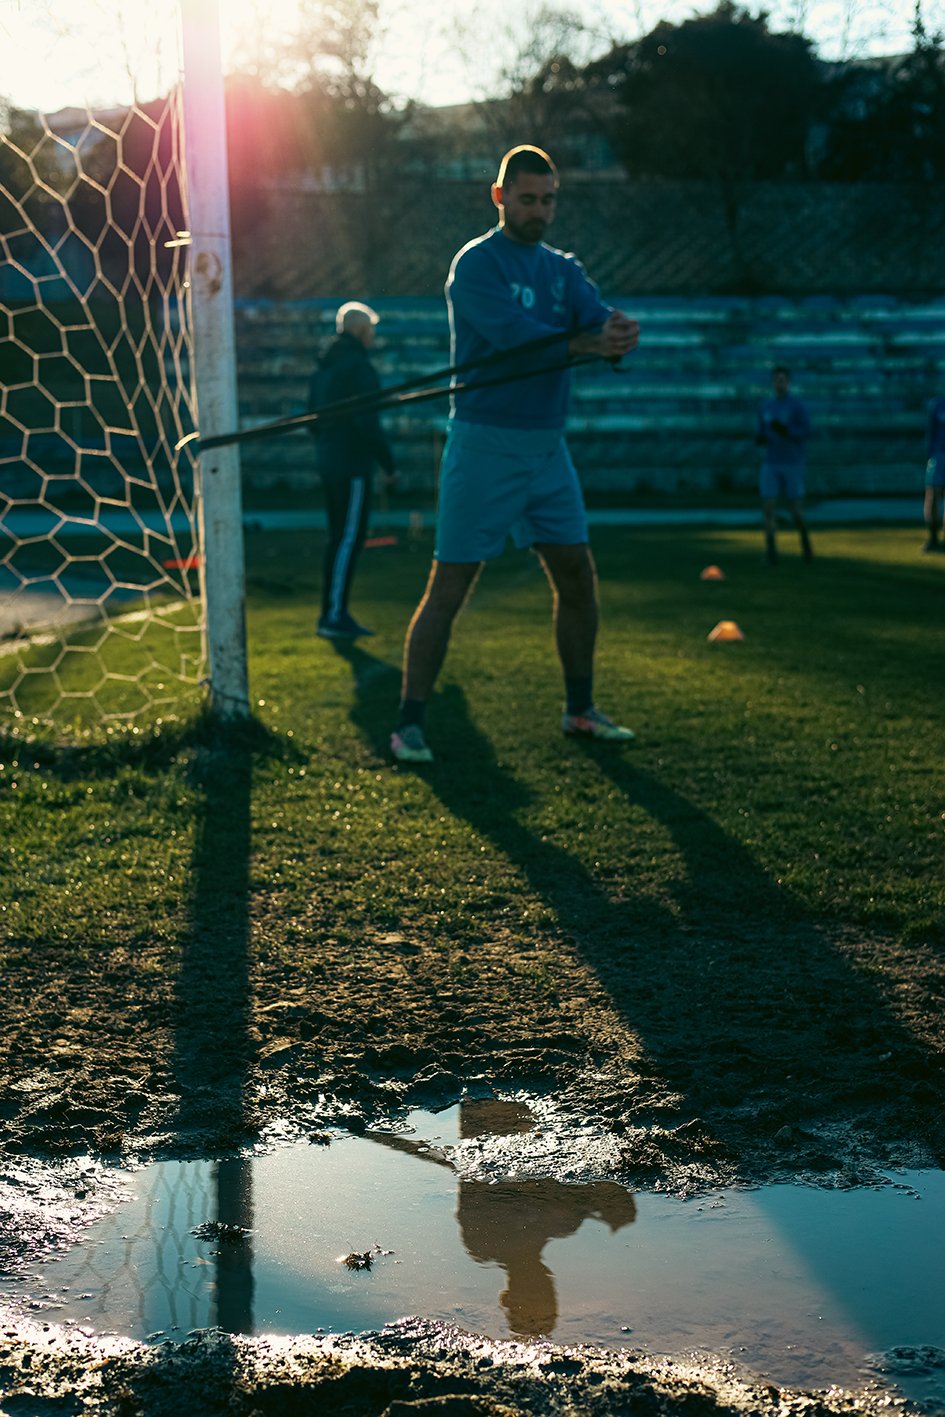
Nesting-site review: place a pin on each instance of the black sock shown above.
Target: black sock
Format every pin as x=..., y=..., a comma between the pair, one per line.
x=412, y=711
x=579, y=694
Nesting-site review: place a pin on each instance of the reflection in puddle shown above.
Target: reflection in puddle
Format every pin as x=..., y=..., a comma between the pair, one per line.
x=797, y=1283
x=510, y=1223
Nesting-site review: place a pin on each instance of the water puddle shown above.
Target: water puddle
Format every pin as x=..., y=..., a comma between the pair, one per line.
x=804, y=1286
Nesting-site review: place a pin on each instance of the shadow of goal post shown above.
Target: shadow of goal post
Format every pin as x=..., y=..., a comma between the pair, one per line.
x=223, y=586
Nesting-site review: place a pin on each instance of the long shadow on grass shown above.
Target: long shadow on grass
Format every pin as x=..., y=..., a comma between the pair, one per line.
x=747, y=1001
x=376, y=686
x=210, y=1021
x=745, y=1008
x=211, y=1017
x=213, y=1047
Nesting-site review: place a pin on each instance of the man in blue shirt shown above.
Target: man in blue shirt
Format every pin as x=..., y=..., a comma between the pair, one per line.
x=783, y=426
x=935, y=477
x=506, y=469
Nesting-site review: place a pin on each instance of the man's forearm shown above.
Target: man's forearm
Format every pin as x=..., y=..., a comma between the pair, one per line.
x=590, y=342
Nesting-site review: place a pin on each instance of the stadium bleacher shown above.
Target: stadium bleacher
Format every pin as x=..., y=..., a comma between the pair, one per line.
x=680, y=417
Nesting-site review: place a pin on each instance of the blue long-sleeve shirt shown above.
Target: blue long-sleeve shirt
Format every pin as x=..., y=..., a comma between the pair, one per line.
x=783, y=449
x=937, y=428
x=501, y=293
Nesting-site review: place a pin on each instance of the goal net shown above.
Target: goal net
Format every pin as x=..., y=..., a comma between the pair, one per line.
x=101, y=616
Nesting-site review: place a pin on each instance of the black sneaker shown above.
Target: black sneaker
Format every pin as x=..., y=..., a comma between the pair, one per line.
x=341, y=627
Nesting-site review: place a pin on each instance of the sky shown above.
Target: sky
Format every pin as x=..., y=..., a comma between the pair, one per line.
x=56, y=53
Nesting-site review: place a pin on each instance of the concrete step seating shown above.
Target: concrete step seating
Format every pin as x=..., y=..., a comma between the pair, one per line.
x=866, y=366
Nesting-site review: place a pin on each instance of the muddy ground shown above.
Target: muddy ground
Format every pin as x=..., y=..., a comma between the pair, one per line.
x=690, y=1058
x=412, y=1369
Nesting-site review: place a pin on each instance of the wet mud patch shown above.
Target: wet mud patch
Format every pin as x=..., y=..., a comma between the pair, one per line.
x=705, y=1060
x=454, y=1218
x=411, y=1369
x=45, y=1208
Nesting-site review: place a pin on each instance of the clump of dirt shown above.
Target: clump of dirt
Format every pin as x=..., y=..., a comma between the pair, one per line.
x=362, y=1259
x=411, y=1369
x=222, y=1231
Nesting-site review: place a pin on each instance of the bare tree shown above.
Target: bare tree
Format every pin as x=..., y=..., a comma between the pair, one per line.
x=520, y=98
x=319, y=107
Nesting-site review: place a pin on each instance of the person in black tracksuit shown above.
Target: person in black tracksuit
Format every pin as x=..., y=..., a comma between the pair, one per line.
x=348, y=450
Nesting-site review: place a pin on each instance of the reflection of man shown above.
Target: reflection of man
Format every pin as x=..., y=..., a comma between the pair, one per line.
x=510, y=1223
x=783, y=426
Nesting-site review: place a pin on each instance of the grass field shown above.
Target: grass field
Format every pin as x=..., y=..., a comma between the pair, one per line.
x=810, y=749
x=807, y=757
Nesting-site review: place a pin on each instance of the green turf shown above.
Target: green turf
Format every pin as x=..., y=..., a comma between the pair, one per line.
x=796, y=771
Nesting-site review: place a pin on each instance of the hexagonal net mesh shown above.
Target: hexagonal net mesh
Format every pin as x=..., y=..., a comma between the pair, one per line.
x=100, y=614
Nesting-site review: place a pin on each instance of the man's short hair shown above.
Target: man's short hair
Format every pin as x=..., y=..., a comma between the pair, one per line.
x=525, y=158
x=781, y=369
x=353, y=314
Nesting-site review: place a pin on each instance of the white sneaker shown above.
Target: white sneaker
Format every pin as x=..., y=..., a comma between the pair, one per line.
x=408, y=745
x=594, y=724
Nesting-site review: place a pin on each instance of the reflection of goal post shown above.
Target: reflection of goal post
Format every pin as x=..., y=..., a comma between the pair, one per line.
x=121, y=572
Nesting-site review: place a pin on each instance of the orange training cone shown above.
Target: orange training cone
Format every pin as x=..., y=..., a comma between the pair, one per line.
x=726, y=630
x=712, y=573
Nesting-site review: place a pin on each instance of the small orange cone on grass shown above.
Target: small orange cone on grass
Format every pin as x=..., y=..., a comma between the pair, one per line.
x=712, y=573
x=725, y=630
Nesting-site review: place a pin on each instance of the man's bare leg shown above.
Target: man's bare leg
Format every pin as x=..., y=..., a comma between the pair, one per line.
x=428, y=634
x=769, y=507
x=570, y=571
x=573, y=578
x=802, y=531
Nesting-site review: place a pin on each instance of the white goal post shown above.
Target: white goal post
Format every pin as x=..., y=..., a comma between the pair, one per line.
x=211, y=292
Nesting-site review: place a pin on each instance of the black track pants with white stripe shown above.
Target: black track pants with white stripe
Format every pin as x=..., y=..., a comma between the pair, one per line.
x=348, y=505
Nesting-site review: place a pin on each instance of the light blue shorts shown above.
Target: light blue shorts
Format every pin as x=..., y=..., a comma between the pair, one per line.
x=501, y=482
x=935, y=472
x=783, y=481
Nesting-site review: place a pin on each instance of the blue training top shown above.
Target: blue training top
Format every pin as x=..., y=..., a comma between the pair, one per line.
x=783, y=449
x=937, y=429
x=501, y=293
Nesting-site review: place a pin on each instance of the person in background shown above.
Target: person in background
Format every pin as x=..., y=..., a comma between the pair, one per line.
x=935, y=478
x=506, y=469
x=783, y=428
x=348, y=452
